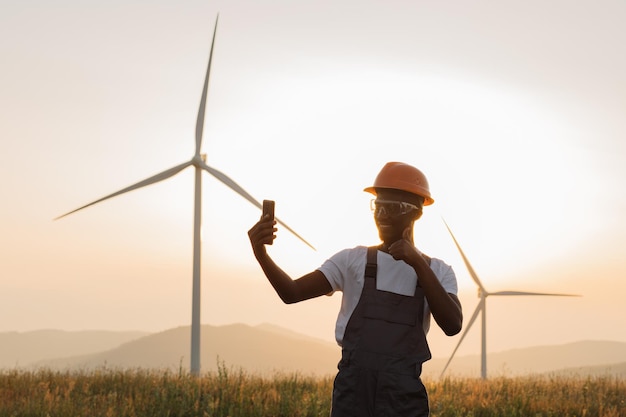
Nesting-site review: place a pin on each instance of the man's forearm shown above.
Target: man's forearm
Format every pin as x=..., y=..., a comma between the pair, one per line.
x=445, y=307
x=282, y=283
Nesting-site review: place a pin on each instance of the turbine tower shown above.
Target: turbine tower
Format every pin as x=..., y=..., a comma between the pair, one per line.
x=481, y=309
x=198, y=161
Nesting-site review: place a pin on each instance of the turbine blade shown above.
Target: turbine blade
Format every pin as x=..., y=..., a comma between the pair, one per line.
x=478, y=309
x=239, y=190
x=155, y=178
x=532, y=293
x=293, y=232
x=466, y=261
x=201, y=110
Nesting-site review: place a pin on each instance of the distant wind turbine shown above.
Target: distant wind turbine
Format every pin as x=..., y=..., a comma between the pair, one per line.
x=482, y=308
x=199, y=162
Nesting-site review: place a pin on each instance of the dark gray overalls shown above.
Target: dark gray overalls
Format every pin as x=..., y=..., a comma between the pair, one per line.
x=384, y=346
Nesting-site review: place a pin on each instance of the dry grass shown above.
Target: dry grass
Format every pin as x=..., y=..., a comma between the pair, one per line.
x=236, y=393
x=529, y=396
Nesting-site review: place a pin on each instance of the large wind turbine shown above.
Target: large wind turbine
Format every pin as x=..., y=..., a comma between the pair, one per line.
x=198, y=161
x=482, y=308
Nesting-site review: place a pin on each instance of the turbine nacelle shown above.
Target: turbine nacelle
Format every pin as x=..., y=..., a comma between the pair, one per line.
x=198, y=160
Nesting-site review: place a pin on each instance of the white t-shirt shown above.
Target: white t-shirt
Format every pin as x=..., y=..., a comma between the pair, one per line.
x=345, y=271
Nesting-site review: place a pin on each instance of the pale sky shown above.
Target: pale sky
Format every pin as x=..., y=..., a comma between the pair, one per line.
x=514, y=111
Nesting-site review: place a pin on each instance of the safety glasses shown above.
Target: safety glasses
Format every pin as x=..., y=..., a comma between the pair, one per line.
x=390, y=207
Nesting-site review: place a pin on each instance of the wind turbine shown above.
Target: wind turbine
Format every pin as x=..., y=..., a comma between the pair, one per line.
x=198, y=161
x=482, y=308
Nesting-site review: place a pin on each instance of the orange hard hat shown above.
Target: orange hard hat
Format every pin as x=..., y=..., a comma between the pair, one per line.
x=401, y=176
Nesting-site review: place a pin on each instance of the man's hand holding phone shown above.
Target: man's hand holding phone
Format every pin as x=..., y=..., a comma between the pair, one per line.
x=262, y=233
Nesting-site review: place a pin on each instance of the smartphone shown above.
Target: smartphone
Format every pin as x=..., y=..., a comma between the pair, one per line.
x=268, y=208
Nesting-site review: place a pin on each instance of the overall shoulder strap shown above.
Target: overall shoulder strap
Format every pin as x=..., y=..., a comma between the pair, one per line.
x=371, y=267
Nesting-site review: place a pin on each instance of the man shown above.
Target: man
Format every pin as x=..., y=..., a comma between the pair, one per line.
x=389, y=293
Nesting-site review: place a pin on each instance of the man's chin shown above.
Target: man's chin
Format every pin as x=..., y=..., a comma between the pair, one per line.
x=388, y=238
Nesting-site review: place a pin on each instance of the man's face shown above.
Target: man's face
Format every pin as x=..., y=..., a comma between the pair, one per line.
x=391, y=216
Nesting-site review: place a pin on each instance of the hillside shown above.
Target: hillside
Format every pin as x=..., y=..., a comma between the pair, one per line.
x=617, y=370
x=584, y=358
x=23, y=348
x=261, y=349
x=266, y=349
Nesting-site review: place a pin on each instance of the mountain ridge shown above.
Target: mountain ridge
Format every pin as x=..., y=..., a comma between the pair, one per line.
x=22, y=348
x=268, y=349
x=586, y=357
x=256, y=349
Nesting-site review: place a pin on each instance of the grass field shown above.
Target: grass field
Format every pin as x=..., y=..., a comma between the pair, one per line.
x=237, y=393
